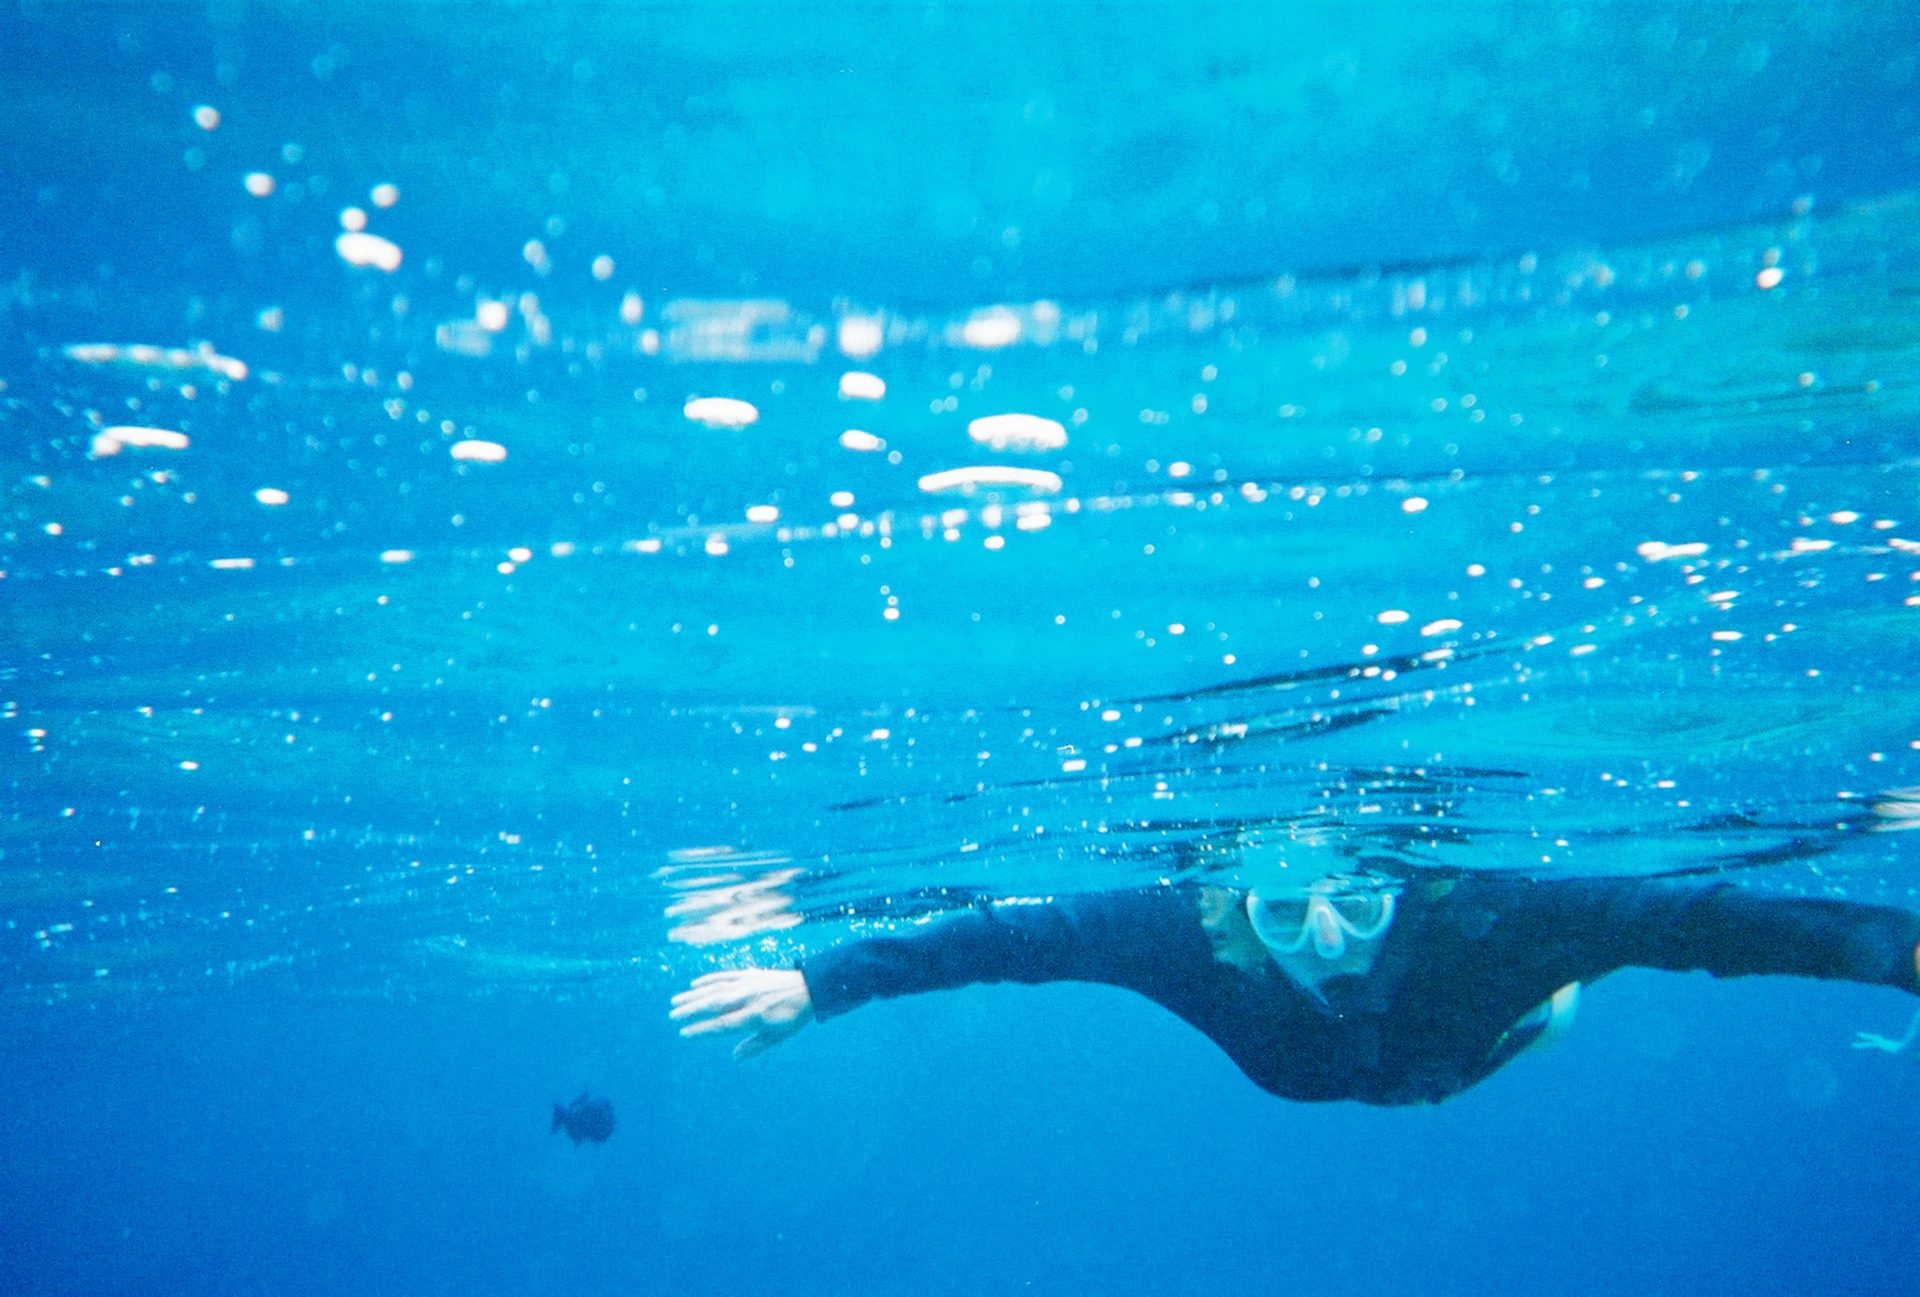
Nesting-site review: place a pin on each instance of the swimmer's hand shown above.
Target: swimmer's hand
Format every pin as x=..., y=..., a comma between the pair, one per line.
x=1887, y=1044
x=770, y=1003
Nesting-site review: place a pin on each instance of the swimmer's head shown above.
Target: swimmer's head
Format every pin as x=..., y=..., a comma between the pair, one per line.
x=1333, y=928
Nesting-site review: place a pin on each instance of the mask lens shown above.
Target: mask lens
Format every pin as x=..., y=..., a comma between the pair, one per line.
x=1289, y=925
x=1364, y=915
x=1281, y=925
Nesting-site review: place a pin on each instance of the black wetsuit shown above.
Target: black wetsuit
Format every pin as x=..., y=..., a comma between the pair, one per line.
x=1441, y=1008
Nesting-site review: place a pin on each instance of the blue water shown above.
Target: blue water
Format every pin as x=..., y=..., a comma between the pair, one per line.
x=1489, y=445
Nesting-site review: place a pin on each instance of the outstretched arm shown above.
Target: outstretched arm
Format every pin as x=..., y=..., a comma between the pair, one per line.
x=1148, y=941
x=1139, y=940
x=1731, y=930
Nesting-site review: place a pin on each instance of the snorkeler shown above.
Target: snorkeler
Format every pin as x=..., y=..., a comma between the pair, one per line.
x=1383, y=991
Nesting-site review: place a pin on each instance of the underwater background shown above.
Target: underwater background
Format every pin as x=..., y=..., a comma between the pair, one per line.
x=510, y=507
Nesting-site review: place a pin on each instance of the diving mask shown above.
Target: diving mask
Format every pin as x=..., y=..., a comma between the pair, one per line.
x=1323, y=921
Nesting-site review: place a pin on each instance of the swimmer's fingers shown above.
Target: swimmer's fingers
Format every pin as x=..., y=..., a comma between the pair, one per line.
x=776, y=1017
x=722, y=1021
x=770, y=1003
x=688, y=1003
x=775, y=999
x=701, y=997
x=1887, y=1044
x=732, y=985
x=713, y=1001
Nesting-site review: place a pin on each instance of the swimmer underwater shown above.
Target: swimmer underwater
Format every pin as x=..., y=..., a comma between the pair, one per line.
x=1385, y=991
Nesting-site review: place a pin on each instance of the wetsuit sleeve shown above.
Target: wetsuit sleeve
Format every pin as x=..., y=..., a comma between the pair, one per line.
x=1126, y=939
x=1730, y=930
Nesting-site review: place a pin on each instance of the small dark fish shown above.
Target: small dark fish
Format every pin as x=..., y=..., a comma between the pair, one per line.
x=586, y=1118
